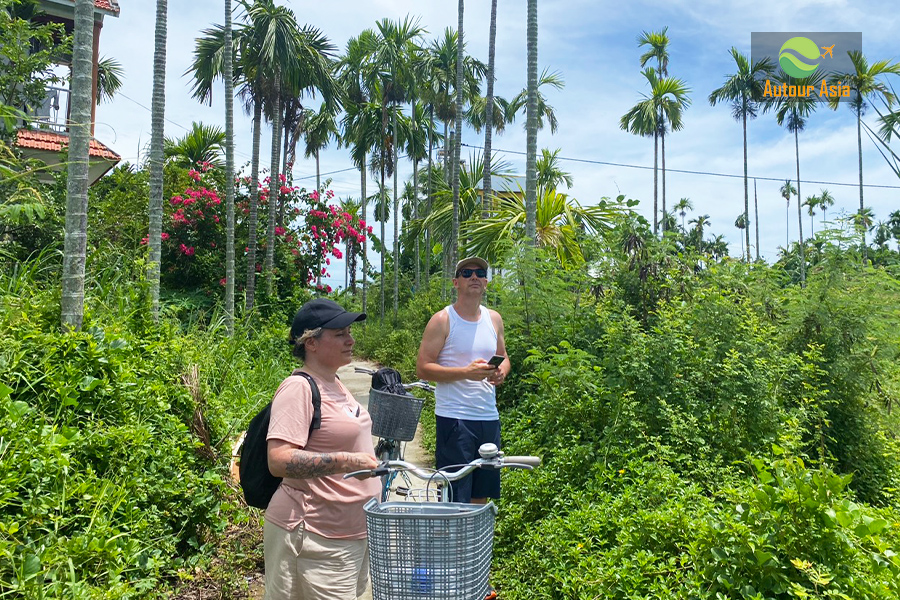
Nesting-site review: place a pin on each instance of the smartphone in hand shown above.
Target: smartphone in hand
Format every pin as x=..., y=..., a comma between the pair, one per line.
x=496, y=360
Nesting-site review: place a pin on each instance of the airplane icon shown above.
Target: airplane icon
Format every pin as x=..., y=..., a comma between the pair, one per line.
x=828, y=50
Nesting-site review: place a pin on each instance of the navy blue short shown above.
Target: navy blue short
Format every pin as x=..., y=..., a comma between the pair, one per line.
x=457, y=444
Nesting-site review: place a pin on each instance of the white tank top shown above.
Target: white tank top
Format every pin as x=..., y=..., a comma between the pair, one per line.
x=466, y=342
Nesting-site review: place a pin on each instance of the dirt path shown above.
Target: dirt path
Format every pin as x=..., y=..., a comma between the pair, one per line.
x=358, y=384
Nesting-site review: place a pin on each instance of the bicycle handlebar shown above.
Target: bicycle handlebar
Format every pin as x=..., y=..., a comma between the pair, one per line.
x=415, y=384
x=494, y=463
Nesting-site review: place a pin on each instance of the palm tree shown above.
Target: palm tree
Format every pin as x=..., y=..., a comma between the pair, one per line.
x=489, y=109
x=298, y=60
x=157, y=118
x=109, y=78
x=864, y=81
x=699, y=224
x=894, y=222
x=682, y=207
x=744, y=90
x=319, y=129
x=460, y=53
x=549, y=172
x=658, y=48
x=531, y=126
x=811, y=203
x=203, y=143
x=668, y=97
x=228, y=76
x=741, y=224
x=392, y=71
x=544, y=111
x=864, y=220
x=756, y=217
x=826, y=200
x=787, y=190
x=352, y=208
x=415, y=145
x=561, y=225
x=792, y=112
x=359, y=132
x=75, y=241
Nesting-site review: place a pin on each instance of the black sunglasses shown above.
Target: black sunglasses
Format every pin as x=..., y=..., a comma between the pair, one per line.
x=466, y=273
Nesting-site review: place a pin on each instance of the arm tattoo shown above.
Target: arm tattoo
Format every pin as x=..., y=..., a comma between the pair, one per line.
x=304, y=465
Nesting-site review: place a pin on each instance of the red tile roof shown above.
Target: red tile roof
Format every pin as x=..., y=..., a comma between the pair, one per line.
x=54, y=142
x=110, y=5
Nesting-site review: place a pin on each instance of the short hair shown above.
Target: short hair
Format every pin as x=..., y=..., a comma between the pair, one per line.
x=299, y=344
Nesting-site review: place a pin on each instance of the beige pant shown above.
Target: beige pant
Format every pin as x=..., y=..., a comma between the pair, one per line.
x=301, y=565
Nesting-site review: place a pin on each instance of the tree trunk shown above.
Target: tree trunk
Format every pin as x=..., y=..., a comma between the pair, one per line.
x=396, y=217
x=746, y=184
x=229, y=175
x=318, y=174
x=362, y=187
x=75, y=240
x=416, y=218
x=254, y=206
x=531, y=127
x=284, y=143
x=457, y=138
x=274, y=187
x=865, y=248
x=800, y=213
x=655, y=183
x=756, y=215
x=428, y=200
x=662, y=154
x=157, y=122
x=489, y=114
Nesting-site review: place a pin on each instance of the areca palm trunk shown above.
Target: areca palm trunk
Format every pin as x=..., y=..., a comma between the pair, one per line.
x=396, y=218
x=274, y=186
x=756, y=215
x=457, y=142
x=662, y=152
x=747, y=183
x=489, y=112
x=75, y=241
x=157, y=122
x=428, y=200
x=655, y=183
x=416, y=218
x=254, y=206
x=800, y=212
x=229, y=175
x=865, y=248
x=531, y=127
x=362, y=187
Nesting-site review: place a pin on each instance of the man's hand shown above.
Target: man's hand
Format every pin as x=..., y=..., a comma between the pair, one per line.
x=497, y=377
x=479, y=369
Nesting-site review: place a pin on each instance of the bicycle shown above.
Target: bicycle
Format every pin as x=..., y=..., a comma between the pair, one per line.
x=424, y=550
x=394, y=421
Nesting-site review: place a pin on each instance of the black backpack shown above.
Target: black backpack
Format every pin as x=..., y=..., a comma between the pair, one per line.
x=257, y=481
x=387, y=379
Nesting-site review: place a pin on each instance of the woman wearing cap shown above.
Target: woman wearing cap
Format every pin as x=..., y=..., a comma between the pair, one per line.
x=315, y=529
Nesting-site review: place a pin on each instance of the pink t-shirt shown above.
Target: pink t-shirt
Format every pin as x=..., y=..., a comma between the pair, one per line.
x=329, y=506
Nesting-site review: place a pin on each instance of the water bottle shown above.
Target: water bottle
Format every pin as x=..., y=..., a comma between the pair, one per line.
x=422, y=582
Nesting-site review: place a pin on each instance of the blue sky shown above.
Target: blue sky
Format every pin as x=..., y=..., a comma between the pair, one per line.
x=593, y=45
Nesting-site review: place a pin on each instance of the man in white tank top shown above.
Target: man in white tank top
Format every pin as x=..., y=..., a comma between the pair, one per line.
x=456, y=346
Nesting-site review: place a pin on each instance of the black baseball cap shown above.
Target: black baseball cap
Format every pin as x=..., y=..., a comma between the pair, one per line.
x=324, y=313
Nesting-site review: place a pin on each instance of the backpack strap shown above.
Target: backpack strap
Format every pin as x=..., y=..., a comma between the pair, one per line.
x=316, y=400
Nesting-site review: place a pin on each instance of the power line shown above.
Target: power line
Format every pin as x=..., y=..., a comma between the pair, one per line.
x=709, y=173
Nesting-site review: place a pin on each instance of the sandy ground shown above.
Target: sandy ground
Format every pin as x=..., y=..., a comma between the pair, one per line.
x=358, y=384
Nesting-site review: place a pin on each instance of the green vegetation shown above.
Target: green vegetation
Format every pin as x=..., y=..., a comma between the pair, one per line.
x=710, y=428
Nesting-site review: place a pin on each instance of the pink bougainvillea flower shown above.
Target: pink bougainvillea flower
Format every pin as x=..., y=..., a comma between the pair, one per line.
x=176, y=200
x=189, y=251
x=223, y=281
x=194, y=175
x=145, y=240
x=369, y=229
x=314, y=195
x=328, y=288
x=164, y=235
x=280, y=231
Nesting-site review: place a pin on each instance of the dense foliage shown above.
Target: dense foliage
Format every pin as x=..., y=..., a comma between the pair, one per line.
x=708, y=429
